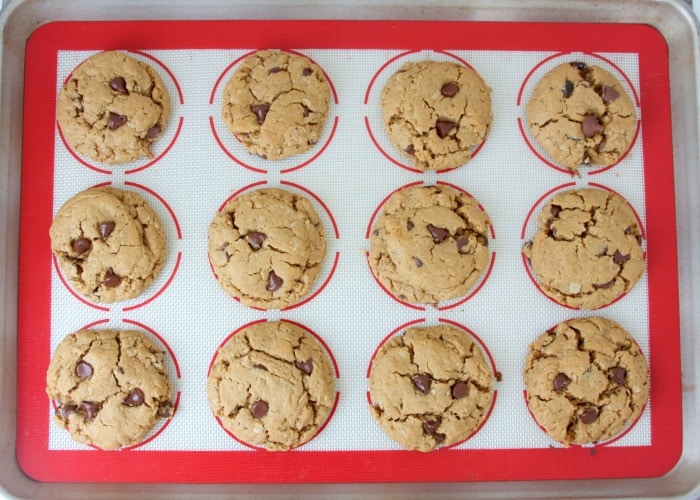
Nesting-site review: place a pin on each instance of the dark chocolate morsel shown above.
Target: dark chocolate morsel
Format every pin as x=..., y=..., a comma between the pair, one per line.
x=568, y=88
x=305, y=366
x=305, y=111
x=83, y=370
x=449, y=89
x=153, y=132
x=135, y=398
x=259, y=408
x=618, y=375
x=561, y=381
x=444, y=127
x=438, y=233
x=89, y=409
x=604, y=286
x=106, y=229
x=255, y=239
x=591, y=126
x=581, y=66
x=81, y=245
x=274, y=282
x=165, y=410
x=619, y=259
x=111, y=280
x=460, y=390
x=430, y=426
x=422, y=383
x=115, y=121
x=462, y=242
x=418, y=262
x=260, y=111
x=554, y=210
x=409, y=150
x=609, y=94
x=119, y=84
x=274, y=70
x=409, y=225
x=306, y=71
x=588, y=416
x=66, y=411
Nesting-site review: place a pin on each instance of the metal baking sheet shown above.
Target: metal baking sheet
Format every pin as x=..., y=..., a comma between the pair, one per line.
x=536, y=486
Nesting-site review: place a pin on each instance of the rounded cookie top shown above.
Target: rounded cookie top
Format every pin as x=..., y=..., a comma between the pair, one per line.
x=586, y=380
x=430, y=387
x=429, y=244
x=110, y=387
x=276, y=104
x=266, y=247
x=112, y=108
x=109, y=243
x=581, y=114
x=272, y=385
x=436, y=113
x=587, y=251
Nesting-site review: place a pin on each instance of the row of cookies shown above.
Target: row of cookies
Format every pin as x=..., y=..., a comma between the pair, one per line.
x=272, y=385
x=276, y=103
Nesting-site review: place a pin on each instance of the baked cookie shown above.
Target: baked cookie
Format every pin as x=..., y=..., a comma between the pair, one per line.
x=430, y=387
x=436, y=113
x=110, y=387
x=430, y=244
x=587, y=251
x=586, y=380
x=109, y=243
x=580, y=115
x=272, y=385
x=276, y=104
x=112, y=108
x=266, y=248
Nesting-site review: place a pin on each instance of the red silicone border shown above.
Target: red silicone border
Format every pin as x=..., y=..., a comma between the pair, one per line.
x=34, y=310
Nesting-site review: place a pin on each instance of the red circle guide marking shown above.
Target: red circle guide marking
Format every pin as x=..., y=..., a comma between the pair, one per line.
x=59, y=272
x=386, y=291
x=382, y=68
x=243, y=189
x=320, y=288
x=228, y=337
x=479, y=286
x=319, y=201
x=165, y=68
x=383, y=202
x=386, y=339
x=539, y=202
x=228, y=153
x=163, y=202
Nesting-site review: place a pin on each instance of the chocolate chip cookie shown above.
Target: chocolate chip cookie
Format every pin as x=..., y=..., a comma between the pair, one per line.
x=430, y=244
x=587, y=251
x=266, y=247
x=586, y=380
x=276, y=104
x=109, y=243
x=436, y=113
x=430, y=387
x=581, y=115
x=272, y=385
x=112, y=108
x=110, y=387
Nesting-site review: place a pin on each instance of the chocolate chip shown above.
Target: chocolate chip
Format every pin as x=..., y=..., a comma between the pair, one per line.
x=409, y=225
x=591, y=126
x=83, y=370
x=554, y=210
x=409, y=150
x=153, y=132
x=305, y=111
x=460, y=390
x=81, y=245
x=499, y=376
x=609, y=94
x=418, y=262
x=581, y=66
x=619, y=259
x=430, y=426
x=259, y=409
x=422, y=383
x=561, y=381
x=111, y=280
x=274, y=70
x=260, y=367
x=165, y=410
x=305, y=366
x=260, y=111
x=449, y=89
x=604, y=286
x=115, y=121
x=106, y=229
x=568, y=88
x=118, y=84
x=375, y=232
x=306, y=71
x=618, y=375
x=462, y=242
x=89, y=409
x=79, y=105
x=66, y=411
x=438, y=233
x=255, y=239
x=274, y=282
x=639, y=239
x=444, y=127
x=135, y=398
x=588, y=416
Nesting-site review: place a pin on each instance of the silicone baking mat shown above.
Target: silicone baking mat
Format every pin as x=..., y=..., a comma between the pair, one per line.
x=198, y=165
